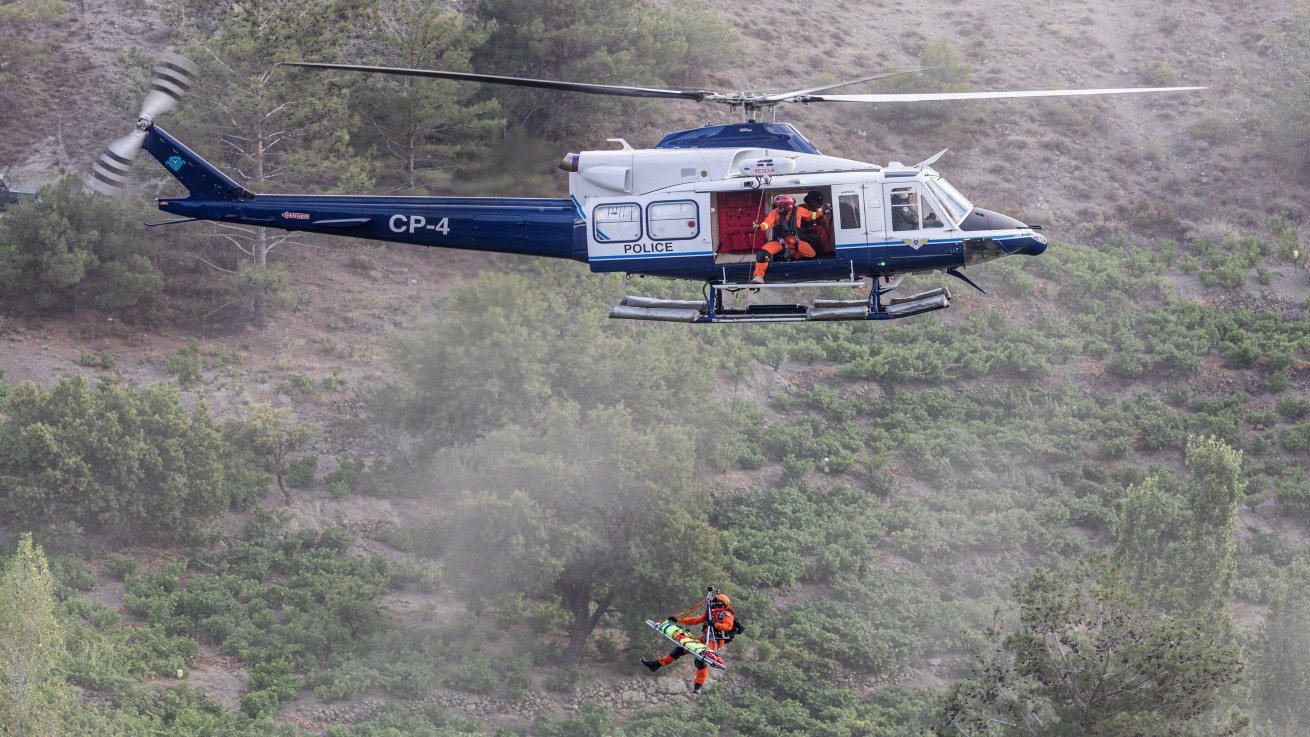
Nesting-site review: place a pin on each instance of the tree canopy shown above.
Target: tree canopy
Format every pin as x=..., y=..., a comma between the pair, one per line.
x=588, y=508
x=505, y=346
x=73, y=248
x=1090, y=657
x=109, y=455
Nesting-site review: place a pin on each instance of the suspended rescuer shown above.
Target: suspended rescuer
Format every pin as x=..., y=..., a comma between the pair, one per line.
x=717, y=629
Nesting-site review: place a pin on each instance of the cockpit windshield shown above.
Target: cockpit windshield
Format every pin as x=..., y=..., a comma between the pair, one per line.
x=958, y=205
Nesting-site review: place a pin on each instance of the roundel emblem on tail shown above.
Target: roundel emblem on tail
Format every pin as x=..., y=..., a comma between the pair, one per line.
x=175, y=162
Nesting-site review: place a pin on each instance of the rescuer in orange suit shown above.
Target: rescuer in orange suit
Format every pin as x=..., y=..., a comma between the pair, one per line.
x=721, y=617
x=786, y=219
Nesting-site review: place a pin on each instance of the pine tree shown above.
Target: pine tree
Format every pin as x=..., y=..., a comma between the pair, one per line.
x=31, y=692
x=274, y=126
x=426, y=125
x=1281, y=657
x=1091, y=658
x=1178, y=535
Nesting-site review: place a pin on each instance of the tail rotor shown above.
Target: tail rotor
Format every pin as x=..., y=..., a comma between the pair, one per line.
x=174, y=76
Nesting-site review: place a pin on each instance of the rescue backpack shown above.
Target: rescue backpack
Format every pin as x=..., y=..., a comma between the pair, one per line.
x=737, y=628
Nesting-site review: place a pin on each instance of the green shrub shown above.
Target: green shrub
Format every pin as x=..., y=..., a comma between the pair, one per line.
x=336, y=539
x=564, y=680
x=1292, y=408
x=302, y=383
x=347, y=477
x=1262, y=418
x=1165, y=74
x=301, y=471
x=1212, y=129
x=258, y=704
x=72, y=573
x=186, y=366
x=342, y=682
x=474, y=674
x=120, y=566
x=1292, y=492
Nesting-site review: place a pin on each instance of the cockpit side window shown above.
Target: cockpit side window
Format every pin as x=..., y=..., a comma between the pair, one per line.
x=912, y=211
x=905, y=209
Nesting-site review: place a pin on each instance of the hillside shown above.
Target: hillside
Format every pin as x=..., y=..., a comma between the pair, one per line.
x=874, y=489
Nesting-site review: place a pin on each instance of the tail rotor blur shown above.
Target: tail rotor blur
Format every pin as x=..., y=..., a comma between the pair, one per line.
x=174, y=76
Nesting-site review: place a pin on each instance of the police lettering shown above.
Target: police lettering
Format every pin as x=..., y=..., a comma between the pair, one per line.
x=665, y=247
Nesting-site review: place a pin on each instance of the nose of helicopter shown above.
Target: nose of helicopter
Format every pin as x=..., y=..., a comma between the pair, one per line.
x=1025, y=242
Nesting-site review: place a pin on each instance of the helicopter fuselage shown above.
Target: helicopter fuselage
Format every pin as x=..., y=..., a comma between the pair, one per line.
x=684, y=209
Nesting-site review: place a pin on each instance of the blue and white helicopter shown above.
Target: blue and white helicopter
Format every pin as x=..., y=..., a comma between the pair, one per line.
x=686, y=209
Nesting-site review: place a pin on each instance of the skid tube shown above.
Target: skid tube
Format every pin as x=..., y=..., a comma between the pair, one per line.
x=711, y=310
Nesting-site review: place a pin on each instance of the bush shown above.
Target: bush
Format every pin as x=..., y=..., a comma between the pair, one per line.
x=1212, y=129
x=120, y=566
x=187, y=368
x=301, y=471
x=337, y=539
x=1292, y=408
x=258, y=704
x=475, y=675
x=565, y=680
x=72, y=249
x=1293, y=494
x=72, y=573
x=349, y=473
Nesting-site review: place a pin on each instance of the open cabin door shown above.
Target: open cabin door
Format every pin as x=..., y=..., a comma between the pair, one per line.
x=735, y=212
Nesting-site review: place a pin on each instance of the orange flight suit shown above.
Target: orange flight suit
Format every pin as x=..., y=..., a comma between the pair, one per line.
x=723, y=620
x=786, y=234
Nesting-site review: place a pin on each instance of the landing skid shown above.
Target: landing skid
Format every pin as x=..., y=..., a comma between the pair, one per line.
x=711, y=310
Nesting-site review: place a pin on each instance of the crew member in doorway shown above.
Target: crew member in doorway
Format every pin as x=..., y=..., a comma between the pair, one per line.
x=716, y=631
x=785, y=219
x=818, y=226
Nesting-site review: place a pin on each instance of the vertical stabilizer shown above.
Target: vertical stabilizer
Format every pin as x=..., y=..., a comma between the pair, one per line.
x=202, y=180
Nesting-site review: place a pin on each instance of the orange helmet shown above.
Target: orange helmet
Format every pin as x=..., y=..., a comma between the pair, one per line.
x=723, y=598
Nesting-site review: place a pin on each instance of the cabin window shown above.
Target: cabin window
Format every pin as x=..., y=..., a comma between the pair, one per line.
x=848, y=207
x=616, y=223
x=671, y=221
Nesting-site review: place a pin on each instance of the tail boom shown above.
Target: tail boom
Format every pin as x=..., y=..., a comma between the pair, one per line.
x=529, y=226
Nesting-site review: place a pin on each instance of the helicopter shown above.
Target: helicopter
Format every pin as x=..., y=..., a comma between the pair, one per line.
x=688, y=208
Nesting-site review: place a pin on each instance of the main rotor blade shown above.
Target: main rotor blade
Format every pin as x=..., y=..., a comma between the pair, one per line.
x=548, y=84
x=934, y=96
x=784, y=96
